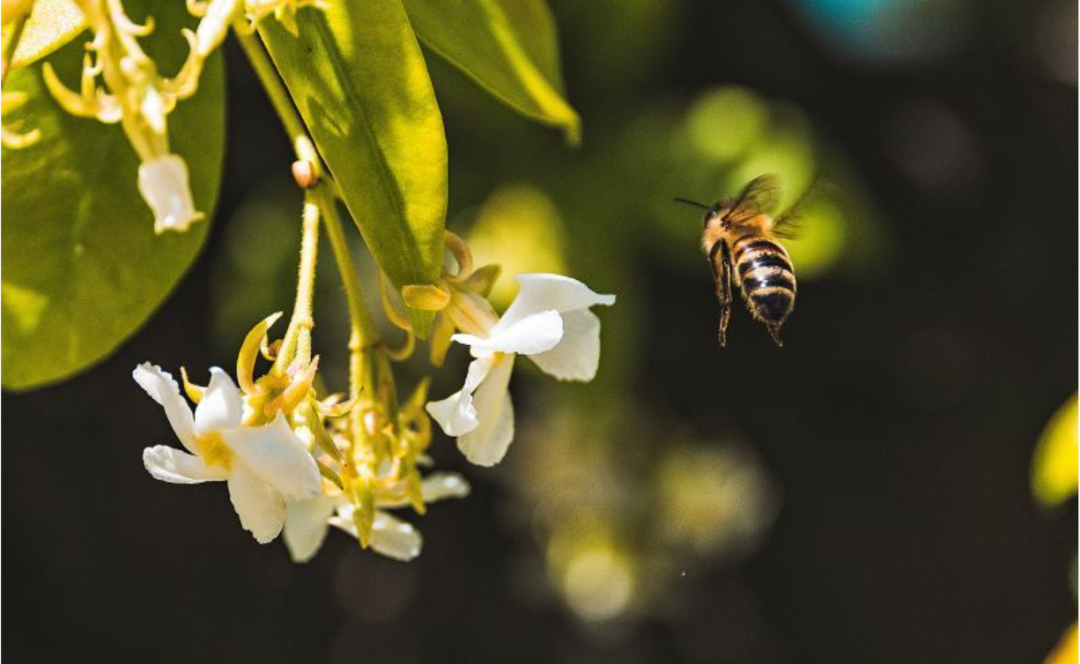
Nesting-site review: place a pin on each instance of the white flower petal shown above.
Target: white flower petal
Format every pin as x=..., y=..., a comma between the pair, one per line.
x=163, y=389
x=306, y=523
x=261, y=507
x=343, y=518
x=390, y=536
x=172, y=465
x=577, y=357
x=277, y=456
x=395, y=538
x=433, y=488
x=486, y=444
x=214, y=25
x=550, y=292
x=456, y=414
x=532, y=334
x=222, y=405
x=439, y=486
x=163, y=183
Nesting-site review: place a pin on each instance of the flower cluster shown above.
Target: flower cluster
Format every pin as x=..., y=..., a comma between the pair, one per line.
x=549, y=322
x=135, y=95
x=120, y=83
x=265, y=465
x=297, y=464
x=292, y=461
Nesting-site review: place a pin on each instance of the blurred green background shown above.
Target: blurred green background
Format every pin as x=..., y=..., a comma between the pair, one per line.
x=860, y=495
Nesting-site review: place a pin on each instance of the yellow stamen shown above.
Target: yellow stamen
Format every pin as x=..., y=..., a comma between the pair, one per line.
x=425, y=297
x=461, y=253
x=399, y=319
x=406, y=350
x=471, y=313
x=249, y=353
x=193, y=391
x=483, y=279
x=296, y=392
x=337, y=408
x=440, y=338
x=213, y=450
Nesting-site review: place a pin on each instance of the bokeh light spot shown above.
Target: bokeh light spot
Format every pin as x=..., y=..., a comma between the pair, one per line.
x=934, y=147
x=598, y=582
x=722, y=124
x=520, y=228
x=1055, y=40
x=820, y=239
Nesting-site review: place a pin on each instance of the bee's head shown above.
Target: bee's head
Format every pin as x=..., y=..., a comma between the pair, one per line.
x=713, y=217
x=713, y=214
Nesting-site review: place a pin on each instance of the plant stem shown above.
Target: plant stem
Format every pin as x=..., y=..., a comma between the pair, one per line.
x=271, y=82
x=363, y=334
x=297, y=342
x=321, y=194
x=363, y=338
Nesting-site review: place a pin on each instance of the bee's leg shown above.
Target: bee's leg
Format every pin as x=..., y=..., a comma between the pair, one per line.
x=726, y=301
x=722, y=273
x=774, y=332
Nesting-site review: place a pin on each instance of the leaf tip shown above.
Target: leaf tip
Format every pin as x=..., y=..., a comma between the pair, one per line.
x=572, y=131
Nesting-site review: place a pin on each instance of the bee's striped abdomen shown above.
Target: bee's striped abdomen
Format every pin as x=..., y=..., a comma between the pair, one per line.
x=766, y=278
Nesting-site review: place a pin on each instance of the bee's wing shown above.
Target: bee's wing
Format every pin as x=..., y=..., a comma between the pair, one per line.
x=762, y=194
x=787, y=224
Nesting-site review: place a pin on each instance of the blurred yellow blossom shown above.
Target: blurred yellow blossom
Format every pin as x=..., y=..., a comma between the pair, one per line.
x=1054, y=468
x=1066, y=650
x=519, y=227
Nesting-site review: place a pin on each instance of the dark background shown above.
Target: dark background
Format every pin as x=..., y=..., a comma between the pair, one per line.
x=898, y=423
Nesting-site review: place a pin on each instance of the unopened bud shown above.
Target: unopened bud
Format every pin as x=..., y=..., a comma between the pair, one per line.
x=426, y=297
x=163, y=183
x=305, y=173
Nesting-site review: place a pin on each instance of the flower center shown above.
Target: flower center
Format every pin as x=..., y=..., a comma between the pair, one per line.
x=471, y=313
x=213, y=450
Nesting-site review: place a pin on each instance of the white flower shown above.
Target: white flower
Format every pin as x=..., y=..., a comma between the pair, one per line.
x=308, y=521
x=163, y=183
x=214, y=25
x=264, y=466
x=550, y=322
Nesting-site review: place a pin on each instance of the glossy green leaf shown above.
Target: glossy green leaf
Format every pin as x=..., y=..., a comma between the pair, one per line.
x=83, y=267
x=51, y=25
x=356, y=73
x=510, y=47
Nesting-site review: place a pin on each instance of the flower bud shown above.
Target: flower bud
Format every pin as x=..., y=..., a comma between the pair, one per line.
x=163, y=183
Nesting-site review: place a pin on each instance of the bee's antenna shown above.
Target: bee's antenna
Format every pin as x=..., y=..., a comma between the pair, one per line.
x=687, y=201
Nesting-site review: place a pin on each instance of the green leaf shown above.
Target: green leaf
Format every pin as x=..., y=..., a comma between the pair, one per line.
x=510, y=47
x=1054, y=467
x=84, y=269
x=51, y=25
x=358, y=78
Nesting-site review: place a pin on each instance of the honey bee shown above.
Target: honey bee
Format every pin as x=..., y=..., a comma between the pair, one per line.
x=741, y=239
